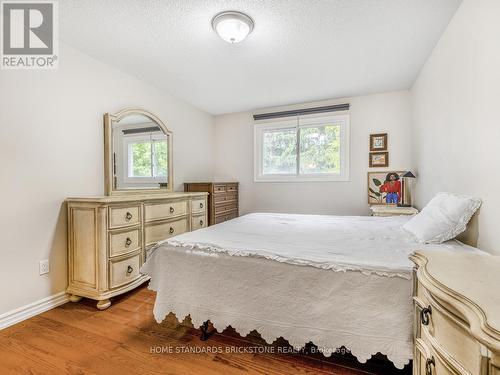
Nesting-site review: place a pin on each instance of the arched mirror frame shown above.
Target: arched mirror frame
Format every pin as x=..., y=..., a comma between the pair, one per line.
x=109, y=178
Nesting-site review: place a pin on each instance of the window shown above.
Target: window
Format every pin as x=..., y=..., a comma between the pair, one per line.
x=146, y=157
x=302, y=149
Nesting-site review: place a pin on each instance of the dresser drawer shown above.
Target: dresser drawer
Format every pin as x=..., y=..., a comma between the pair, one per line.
x=219, y=188
x=232, y=188
x=198, y=222
x=421, y=293
x=222, y=209
x=418, y=306
x=441, y=361
x=124, y=271
x=428, y=362
x=121, y=243
x=225, y=217
x=158, y=232
x=225, y=198
x=198, y=205
x=165, y=210
x=451, y=332
x=124, y=216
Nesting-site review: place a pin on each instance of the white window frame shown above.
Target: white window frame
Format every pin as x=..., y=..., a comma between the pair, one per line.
x=343, y=119
x=127, y=141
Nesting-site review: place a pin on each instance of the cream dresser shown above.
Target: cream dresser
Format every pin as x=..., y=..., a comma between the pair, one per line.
x=457, y=313
x=108, y=238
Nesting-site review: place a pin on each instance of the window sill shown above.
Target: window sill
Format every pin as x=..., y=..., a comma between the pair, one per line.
x=143, y=180
x=288, y=179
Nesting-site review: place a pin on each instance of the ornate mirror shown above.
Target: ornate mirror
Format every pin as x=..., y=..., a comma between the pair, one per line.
x=137, y=153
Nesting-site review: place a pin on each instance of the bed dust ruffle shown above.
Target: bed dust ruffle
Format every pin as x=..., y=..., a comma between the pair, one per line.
x=365, y=313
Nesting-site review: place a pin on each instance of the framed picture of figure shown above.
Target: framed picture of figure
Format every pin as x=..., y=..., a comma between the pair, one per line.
x=385, y=187
x=379, y=159
x=378, y=142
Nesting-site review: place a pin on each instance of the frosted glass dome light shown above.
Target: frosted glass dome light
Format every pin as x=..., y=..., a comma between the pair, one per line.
x=232, y=26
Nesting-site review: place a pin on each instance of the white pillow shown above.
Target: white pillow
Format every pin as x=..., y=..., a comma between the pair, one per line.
x=444, y=218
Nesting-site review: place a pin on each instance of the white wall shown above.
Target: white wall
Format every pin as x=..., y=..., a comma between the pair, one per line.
x=51, y=147
x=456, y=101
x=389, y=112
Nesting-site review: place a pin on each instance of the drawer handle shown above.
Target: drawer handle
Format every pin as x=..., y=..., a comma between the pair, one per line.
x=424, y=315
x=129, y=269
x=171, y=231
x=172, y=210
x=128, y=242
x=429, y=364
x=128, y=216
x=201, y=205
x=201, y=222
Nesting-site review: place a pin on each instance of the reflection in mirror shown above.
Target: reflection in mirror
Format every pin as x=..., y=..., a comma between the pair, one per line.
x=140, y=154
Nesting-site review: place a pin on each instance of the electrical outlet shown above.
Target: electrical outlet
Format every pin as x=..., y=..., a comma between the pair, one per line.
x=44, y=266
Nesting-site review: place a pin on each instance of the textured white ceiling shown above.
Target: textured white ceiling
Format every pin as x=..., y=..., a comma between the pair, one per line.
x=300, y=50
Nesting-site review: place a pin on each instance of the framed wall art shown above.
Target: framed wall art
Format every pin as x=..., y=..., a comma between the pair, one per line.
x=378, y=142
x=379, y=159
x=385, y=187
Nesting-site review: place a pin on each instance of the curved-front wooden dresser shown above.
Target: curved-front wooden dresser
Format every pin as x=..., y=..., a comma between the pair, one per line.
x=457, y=313
x=108, y=238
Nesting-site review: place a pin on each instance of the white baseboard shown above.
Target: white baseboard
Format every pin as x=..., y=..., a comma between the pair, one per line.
x=22, y=313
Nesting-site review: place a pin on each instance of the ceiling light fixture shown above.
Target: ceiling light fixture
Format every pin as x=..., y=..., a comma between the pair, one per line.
x=232, y=26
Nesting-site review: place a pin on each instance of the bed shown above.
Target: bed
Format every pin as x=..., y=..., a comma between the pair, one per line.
x=336, y=281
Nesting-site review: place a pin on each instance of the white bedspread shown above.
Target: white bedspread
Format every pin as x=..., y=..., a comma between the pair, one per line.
x=224, y=273
x=356, y=243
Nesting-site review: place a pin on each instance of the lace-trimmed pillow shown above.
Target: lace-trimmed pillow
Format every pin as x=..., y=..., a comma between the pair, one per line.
x=444, y=218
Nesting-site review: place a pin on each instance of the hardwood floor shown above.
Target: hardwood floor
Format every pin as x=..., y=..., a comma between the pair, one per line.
x=125, y=339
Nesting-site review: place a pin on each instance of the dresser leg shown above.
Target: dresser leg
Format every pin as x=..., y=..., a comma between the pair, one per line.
x=74, y=298
x=104, y=304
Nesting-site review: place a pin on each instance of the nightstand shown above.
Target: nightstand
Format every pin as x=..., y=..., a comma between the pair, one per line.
x=391, y=210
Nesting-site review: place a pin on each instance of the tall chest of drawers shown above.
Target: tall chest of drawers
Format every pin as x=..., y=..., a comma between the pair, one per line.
x=457, y=313
x=108, y=238
x=222, y=200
